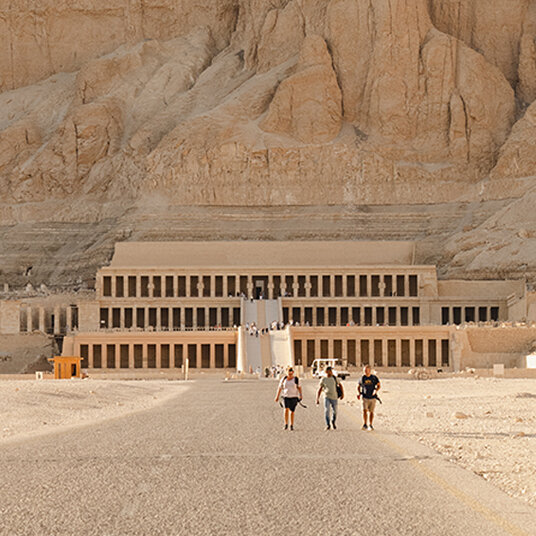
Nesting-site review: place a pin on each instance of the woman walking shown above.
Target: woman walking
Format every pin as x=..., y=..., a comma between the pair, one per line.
x=290, y=389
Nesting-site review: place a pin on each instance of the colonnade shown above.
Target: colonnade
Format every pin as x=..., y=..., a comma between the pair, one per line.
x=353, y=315
x=56, y=320
x=461, y=314
x=156, y=355
x=400, y=351
x=271, y=286
x=169, y=318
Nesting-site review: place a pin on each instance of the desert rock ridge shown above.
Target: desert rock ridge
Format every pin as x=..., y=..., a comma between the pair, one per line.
x=116, y=122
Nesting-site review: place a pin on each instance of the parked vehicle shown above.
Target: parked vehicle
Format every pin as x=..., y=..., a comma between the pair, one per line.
x=319, y=368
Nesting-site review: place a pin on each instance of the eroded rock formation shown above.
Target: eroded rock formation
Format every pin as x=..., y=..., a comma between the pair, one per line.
x=139, y=108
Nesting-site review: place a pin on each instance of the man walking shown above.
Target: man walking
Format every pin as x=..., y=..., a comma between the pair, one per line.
x=368, y=388
x=328, y=384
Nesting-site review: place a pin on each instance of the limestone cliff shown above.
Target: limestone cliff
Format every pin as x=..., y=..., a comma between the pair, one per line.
x=116, y=116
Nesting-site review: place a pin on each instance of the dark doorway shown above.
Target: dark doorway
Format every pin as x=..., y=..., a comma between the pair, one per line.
x=260, y=286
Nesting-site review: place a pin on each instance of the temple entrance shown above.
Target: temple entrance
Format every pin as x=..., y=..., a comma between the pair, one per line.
x=260, y=287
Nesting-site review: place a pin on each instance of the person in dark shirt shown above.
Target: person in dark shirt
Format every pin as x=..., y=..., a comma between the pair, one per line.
x=368, y=388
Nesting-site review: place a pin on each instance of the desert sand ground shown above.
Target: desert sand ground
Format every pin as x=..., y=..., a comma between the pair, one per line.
x=487, y=425
x=32, y=407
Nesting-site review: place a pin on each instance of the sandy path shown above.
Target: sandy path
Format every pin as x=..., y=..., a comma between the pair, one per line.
x=218, y=462
x=31, y=407
x=496, y=439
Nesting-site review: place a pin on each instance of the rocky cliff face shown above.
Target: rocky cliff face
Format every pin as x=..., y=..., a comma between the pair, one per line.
x=115, y=116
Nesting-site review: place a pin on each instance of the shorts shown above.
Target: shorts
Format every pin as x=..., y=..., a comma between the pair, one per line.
x=291, y=403
x=369, y=404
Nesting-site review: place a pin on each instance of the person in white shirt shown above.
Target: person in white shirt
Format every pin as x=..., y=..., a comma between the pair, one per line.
x=290, y=389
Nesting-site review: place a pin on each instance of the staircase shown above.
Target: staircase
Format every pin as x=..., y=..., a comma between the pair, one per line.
x=264, y=351
x=252, y=343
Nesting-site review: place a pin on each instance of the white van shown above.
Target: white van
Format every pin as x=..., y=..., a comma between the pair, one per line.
x=319, y=366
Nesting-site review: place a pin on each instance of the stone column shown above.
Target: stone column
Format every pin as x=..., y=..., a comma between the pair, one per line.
x=198, y=356
x=406, y=285
x=42, y=319
x=425, y=353
x=218, y=316
x=250, y=286
x=122, y=317
x=398, y=352
x=382, y=286
x=358, y=357
x=412, y=352
x=369, y=285
x=318, y=348
x=212, y=356
x=314, y=319
x=90, y=356
x=57, y=316
x=113, y=285
x=104, y=356
x=182, y=319
x=226, y=355
x=99, y=286
x=384, y=352
x=337, y=316
x=307, y=286
x=175, y=287
x=270, y=294
x=332, y=285
x=295, y=287
x=194, y=317
x=146, y=318
x=131, y=356
x=158, y=319
x=68, y=318
x=144, y=355
x=117, y=356
x=374, y=318
x=344, y=286
x=138, y=286
x=158, y=356
x=283, y=285
x=207, y=317
x=212, y=286
x=225, y=286
x=188, y=286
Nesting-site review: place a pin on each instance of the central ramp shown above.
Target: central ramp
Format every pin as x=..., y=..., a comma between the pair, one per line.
x=264, y=350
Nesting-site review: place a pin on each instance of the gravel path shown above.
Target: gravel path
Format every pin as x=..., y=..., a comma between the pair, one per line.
x=215, y=460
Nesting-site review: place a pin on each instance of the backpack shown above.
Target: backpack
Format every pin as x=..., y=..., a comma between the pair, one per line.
x=338, y=386
x=295, y=380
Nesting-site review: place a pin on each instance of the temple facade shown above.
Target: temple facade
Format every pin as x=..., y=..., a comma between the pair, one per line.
x=252, y=305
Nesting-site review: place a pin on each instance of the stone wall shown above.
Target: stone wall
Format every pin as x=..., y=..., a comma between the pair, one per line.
x=9, y=317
